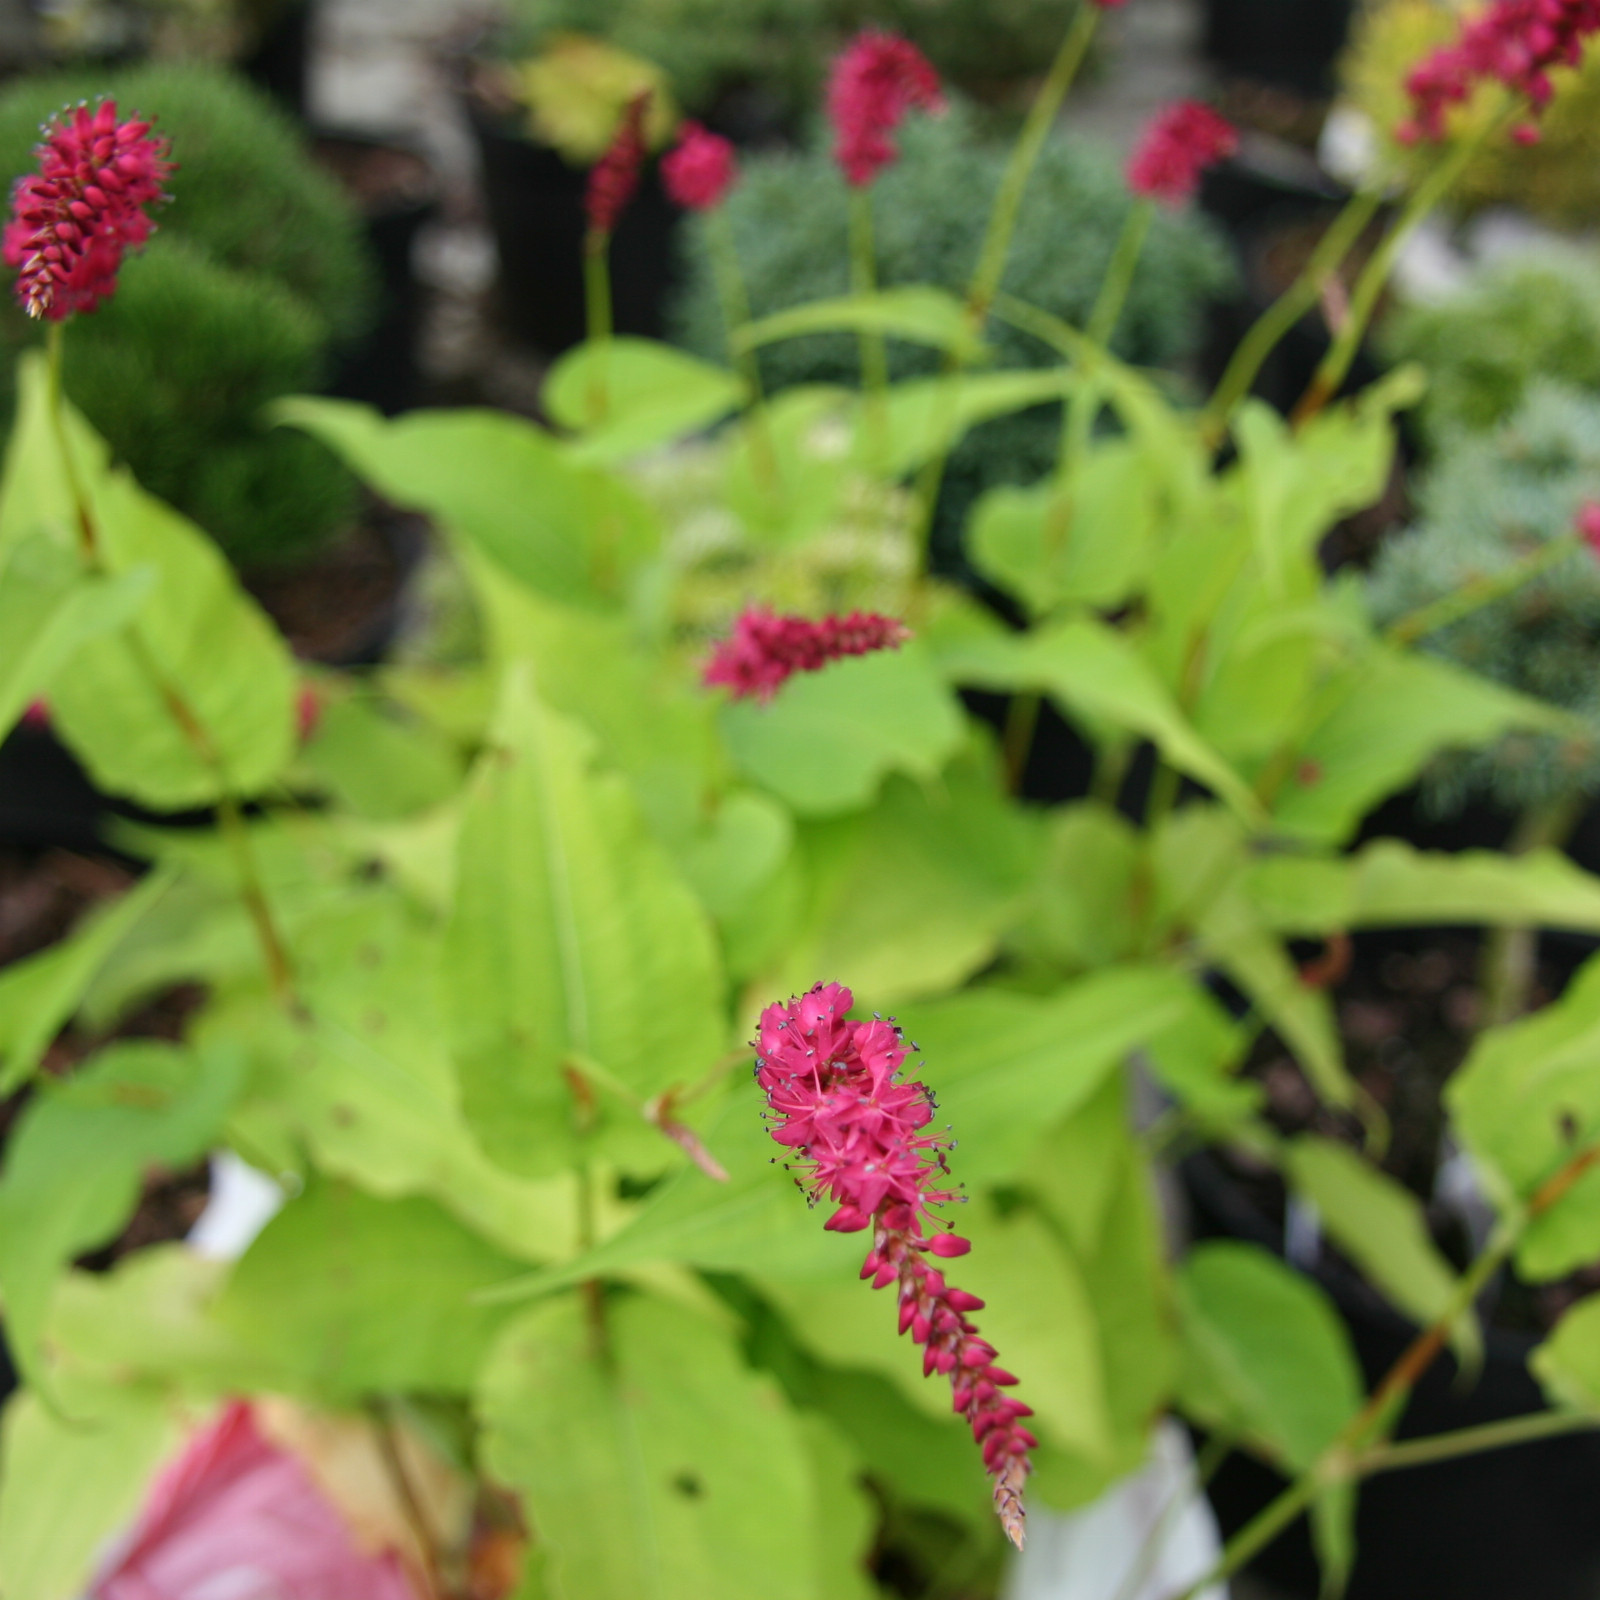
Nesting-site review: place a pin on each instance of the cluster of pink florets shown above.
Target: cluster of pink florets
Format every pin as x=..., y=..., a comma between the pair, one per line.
x=73, y=219
x=700, y=169
x=765, y=648
x=835, y=1099
x=873, y=85
x=1513, y=42
x=1179, y=144
x=615, y=176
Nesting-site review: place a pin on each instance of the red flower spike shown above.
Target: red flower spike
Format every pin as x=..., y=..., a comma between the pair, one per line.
x=1587, y=524
x=873, y=85
x=700, y=170
x=862, y=1147
x=766, y=649
x=1176, y=147
x=74, y=218
x=615, y=176
x=1512, y=42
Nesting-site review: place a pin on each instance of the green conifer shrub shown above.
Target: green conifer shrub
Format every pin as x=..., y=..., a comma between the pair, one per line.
x=256, y=274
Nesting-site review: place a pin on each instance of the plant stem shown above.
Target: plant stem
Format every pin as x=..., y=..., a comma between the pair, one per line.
x=996, y=248
x=735, y=299
x=1271, y=326
x=1022, y=719
x=411, y=1508
x=1375, y=276
x=1341, y=1460
x=598, y=313
x=1471, y=1441
x=1119, y=273
x=1476, y=593
x=88, y=544
x=874, y=355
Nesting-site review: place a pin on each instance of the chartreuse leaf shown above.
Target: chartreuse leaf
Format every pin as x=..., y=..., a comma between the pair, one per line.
x=1527, y=1104
x=354, y=1295
x=1265, y=1360
x=628, y=395
x=1082, y=911
x=48, y=607
x=663, y=1467
x=39, y=994
x=1386, y=716
x=1381, y=1226
x=1197, y=1058
x=844, y=1521
x=925, y=412
x=573, y=939
x=1086, y=541
x=1389, y=883
x=917, y=312
x=70, y=1484
x=378, y=763
x=1092, y=671
x=1568, y=1362
x=196, y=634
x=828, y=740
x=363, y=1081
x=77, y=1156
x=909, y=897
x=503, y=484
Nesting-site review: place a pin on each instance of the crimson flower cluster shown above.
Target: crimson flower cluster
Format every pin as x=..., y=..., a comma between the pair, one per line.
x=835, y=1099
x=1513, y=42
x=700, y=169
x=615, y=176
x=73, y=218
x=765, y=648
x=1587, y=524
x=874, y=83
x=1179, y=143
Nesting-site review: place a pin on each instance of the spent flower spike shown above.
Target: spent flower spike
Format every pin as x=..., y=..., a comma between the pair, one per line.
x=765, y=649
x=82, y=209
x=1512, y=42
x=874, y=83
x=1179, y=143
x=835, y=1098
x=700, y=169
x=615, y=176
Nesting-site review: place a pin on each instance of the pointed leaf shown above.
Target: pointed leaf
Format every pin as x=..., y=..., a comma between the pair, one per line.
x=1568, y=1362
x=917, y=312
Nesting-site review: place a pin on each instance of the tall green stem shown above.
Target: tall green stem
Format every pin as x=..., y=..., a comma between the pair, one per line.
x=598, y=315
x=1119, y=273
x=874, y=354
x=1477, y=593
x=1271, y=326
x=1375, y=276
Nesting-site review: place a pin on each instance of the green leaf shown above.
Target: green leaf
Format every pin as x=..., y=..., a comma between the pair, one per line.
x=1527, y=1103
x=630, y=395
x=1088, y=541
x=40, y=993
x=829, y=739
x=910, y=897
x=737, y=851
x=917, y=312
x=78, y=1155
x=1197, y=1057
x=1568, y=1362
x=1083, y=911
x=356, y=1296
x=1381, y=1226
x=196, y=636
x=1092, y=671
x=844, y=1520
x=668, y=1469
x=68, y=1486
x=1388, y=715
x=924, y=412
x=562, y=529
x=1389, y=883
x=379, y=765
x=1265, y=1360
x=47, y=613
x=573, y=939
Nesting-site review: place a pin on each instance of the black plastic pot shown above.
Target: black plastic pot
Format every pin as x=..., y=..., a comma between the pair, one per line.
x=1290, y=44
x=535, y=204
x=396, y=189
x=1513, y=1524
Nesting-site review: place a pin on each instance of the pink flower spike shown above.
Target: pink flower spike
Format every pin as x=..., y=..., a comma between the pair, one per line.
x=765, y=649
x=1588, y=525
x=615, y=176
x=877, y=80
x=74, y=218
x=700, y=170
x=865, y=1150
x=1179, y=144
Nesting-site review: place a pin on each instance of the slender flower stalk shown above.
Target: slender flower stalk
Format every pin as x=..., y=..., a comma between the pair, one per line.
x=86, y=205
x=835, y=1098
x=765, y=650
x=613, y=181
